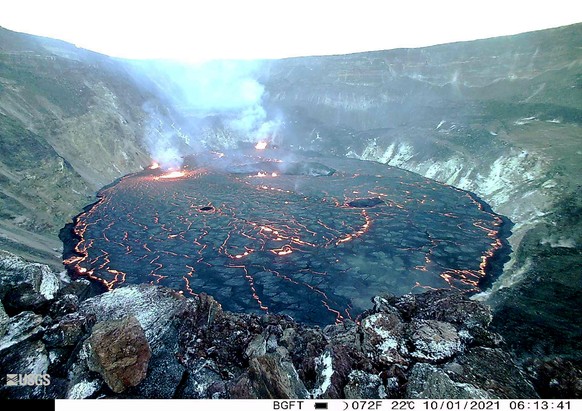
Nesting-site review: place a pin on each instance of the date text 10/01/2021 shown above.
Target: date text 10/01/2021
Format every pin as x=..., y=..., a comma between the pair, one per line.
x=376, y=405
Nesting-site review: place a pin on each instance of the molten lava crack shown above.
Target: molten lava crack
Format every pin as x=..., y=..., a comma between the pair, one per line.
x=313, y=246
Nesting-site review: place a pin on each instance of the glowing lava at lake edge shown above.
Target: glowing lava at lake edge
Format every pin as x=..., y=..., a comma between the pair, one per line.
x=75, y=250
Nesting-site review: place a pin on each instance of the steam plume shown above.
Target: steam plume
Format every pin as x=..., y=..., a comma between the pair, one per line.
x=220, y=104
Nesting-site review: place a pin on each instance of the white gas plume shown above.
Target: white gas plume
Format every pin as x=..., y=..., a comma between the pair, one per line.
x=221, y=103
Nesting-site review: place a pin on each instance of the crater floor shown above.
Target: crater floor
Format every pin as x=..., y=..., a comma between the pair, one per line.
x=271, y=231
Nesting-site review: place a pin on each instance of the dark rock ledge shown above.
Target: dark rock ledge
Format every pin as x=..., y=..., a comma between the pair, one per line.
x=151, y=342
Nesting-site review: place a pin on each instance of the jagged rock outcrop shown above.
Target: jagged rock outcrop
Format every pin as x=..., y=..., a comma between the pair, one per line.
x=226, y=355
x=269, y=376
x=154, y=307
x=22, y=352
x=151, y=342
x=22, y=327
x=157, y=310
x=376, y=356
x=556, y=378
x=427, y=381
x=145, y=341
x=29, y=284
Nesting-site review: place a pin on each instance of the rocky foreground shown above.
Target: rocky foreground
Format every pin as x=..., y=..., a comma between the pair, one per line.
x=152, y=342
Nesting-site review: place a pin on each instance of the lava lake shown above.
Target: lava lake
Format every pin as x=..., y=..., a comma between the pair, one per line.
x=278, y=232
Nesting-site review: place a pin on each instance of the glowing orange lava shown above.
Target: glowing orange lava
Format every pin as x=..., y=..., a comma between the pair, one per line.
x=363, y=229
x=307, y=241
x=261, y=145
x=173, y=174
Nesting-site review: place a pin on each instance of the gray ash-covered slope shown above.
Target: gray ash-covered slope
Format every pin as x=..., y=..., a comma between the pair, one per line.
x=71, y=121
x=259, y=236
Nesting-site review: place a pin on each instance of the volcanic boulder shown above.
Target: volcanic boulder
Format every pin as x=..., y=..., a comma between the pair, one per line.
x=154, y=307
x=428, y=381
x=364, y=385
x=21, y=352
x=119, y=351
x=69, y=330
x=25, y=286
x=22, y=327
x=383, y=336
x=434, y=340
x=271, y=377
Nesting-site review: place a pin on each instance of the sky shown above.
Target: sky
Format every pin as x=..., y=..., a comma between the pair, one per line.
x=193, y=30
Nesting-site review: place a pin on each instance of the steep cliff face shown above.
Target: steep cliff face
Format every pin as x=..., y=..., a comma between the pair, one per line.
x=71, y=121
